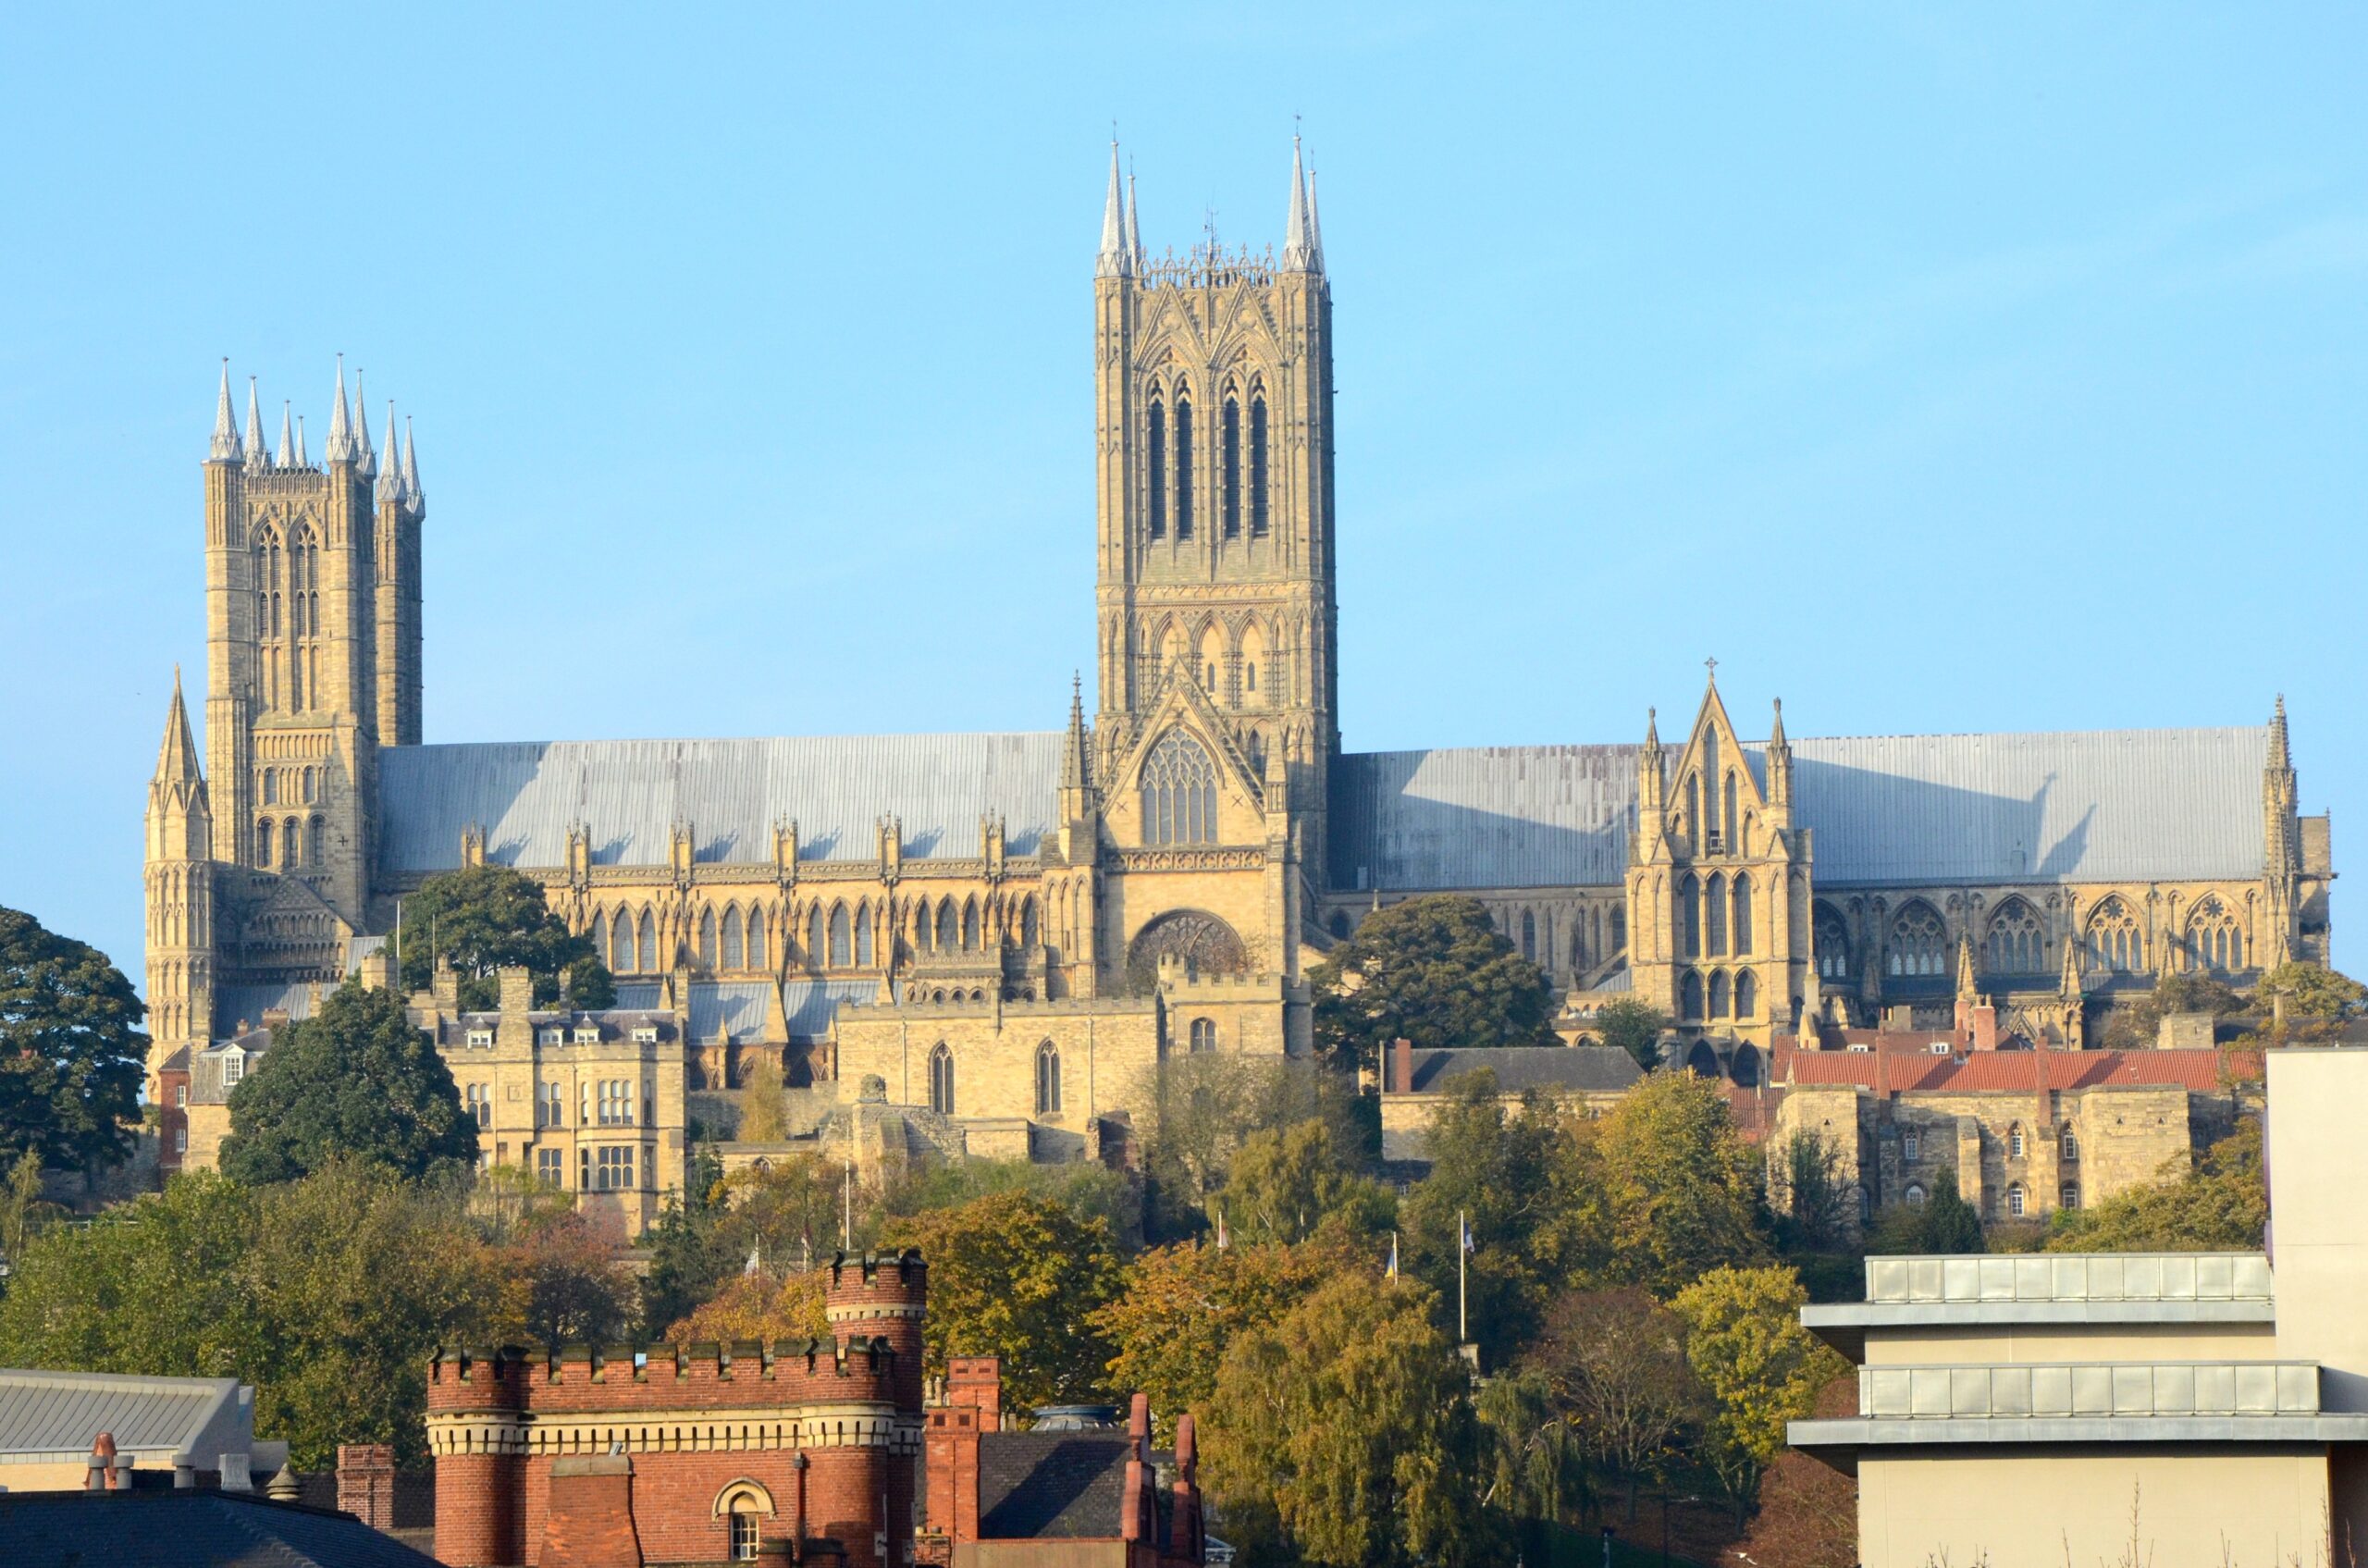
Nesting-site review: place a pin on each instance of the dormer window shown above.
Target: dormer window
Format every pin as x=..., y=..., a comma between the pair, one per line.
x=234, y=1067
x=1860, y=1048
x=1939, y=1047
x=587, y=1035
x=552, y=1036
x=480, y=1039
x=646, y=1035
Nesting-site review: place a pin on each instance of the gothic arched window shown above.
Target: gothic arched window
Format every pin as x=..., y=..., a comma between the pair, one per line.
x=1204, y=1034
x=271, y=786
x=1714, y=899
x=1183, y=466
x=650, y=957
x=1529, y=935
x=2114, y=941
x=842, y=938
x=863, y=936
x=1028, y=921
x=2215, y=940
x=1257, y=464
x=1689, y=916
x=707, y=939
x=316, y=847
x=1731, y=841
x=598, y=934
x=949, y=926
x=262, y=841
x=941, y=1080
x=1156, y=465
x=1831, y=943
x=291, y=841
x=758, y=959
x=620, y=943
x=815, y=948
x=734, y=953
x=1179, y=791
x=1231, y=439
x=1919, y=944
x=1719, y=1001
x=969, y=925
x=1747, y=995
x=2017, y=943
x=1048, y=1080
x=1689, y=998
x=1739, y=898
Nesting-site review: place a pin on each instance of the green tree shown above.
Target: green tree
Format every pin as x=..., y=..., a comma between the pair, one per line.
x=1016, y=1276
x=1634, y=1026
x=1193, y=1111
x=1814, y=1204
x=486, y=918
x=690, y=1259
x=1433, y=971
x=23, y=1213
x=328, y=1294
x=1182, y=1305
x=764, y=1114
x=1536, y=1470
x=1681, y=1189
x=2139, y=1026
x=2310, y=991
x=1746, y=1343
x=354, y=1081
x=2220, y=1204
x=1616, y=1363
x=1288, y=1185
x=1519, y=1176
x=1086, y=1188
x=761, y=1305
x=71, y=1053
x=1344, y=1436
x=1943, y=1223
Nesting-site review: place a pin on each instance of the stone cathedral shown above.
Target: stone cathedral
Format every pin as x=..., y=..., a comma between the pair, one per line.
x=997, y=936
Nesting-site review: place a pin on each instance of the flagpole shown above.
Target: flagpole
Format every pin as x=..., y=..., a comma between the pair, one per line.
x=1462, y=1250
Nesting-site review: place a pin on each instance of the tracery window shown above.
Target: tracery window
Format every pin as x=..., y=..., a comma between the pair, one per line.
x=2215, y=940
x=1714, y=898
x=1689, y=916
x=863, y=937
x=707, y=939
x=1689, y=998
x=969, y=926
x=1718, y=994
x=1740, y=897
x=2018, y=940
x=1232, y=458
x=1028, y=921
x=1731, y=841
x=842, y=938
x=620, y=943
x=1180, y=793
x=759, y=956
x=649, y=955
x=1529, y=936
x=1156, y=463
x=1257, y=464
x=735, y=954
x=817, y=948
x=941, y=1080
x=1747, y=994
x=949, y=927
x=1048, y=1080
x=2114, y=941
x=1831, y=939
x=1919, y=944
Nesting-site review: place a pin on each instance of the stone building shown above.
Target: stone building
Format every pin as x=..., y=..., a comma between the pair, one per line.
x=1006, y=930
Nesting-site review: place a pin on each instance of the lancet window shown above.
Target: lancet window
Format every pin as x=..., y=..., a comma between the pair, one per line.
x=1257, y=464
x=1183, y=466
x=1156, y=467
x=1231, y=441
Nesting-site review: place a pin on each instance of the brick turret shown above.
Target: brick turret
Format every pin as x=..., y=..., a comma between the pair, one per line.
x=475, y=1424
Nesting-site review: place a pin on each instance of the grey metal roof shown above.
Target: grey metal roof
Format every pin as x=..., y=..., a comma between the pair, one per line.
x=2084, y=806
x=740, y=1006
x=233, y=1003
x=55, y=1415
x=633, y=792
x=1602, y=1069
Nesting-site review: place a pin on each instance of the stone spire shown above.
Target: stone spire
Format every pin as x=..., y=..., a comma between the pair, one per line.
x=253, y=450
x=304, y=453
x=1653, y=729
x=2281, y=758
x=365, y=462
x=1776, y=729
x=1115, y=259
x=1314, y=220
x=177, y=759
x=412, y=492
x=390, y=477
x=2069, y=986
x=341, y=446
x=1299, y=254
x=1075, y=757
x=1779, y=764
x=286, y=456
x=1650, y=780
x=226, y=425
x=1965, y=980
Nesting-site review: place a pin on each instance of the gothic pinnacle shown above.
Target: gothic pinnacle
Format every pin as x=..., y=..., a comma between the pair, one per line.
x=1297, y=255
x=340, y=446
x=1134, y=229
x=177, y=759
x=412, y=491
x=365, y=462
x=225, y=423
x=254, y=449
x=1776, y=728
x=1652, y=729
x=304, y=453
x=1113, y=260
x=390, y=477
x=286, y=456
x=1314, y=221
x=2281, y=756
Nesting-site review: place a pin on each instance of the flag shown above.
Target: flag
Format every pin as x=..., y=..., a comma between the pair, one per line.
x=1221, y=1237
x=1392, y=1273
x=750, y=1267
x=1464, y=1226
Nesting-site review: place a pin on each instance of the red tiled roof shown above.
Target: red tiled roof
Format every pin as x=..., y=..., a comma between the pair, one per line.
x=2018, y=1070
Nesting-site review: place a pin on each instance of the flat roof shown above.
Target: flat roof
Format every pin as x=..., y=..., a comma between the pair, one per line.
x=1846, y=1326
x=55, y=1416
x=1840, y=1442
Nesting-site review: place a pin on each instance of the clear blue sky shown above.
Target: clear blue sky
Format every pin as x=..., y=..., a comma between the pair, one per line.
x=1935, y=367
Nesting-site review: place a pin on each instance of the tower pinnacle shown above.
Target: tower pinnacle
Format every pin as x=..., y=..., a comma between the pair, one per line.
x=412, y=491
x=365, y=462
x=390, y=477
x=177, y=758
x=341, y=445
x=254, y=449
x=1134, y=229
x=1115, y=259
x=226, y=425
x=1299, y=256
x=304, y=453
x=286, y=456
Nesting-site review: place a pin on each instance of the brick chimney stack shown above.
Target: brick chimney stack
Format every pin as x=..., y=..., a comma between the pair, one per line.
x=1184, y=1530
x=588, y=1520
x=365, y=1483
x=1139, y=1510
x=1399, y=1079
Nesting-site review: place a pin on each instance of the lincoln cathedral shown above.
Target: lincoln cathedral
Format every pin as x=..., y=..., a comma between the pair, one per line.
x=993, y=939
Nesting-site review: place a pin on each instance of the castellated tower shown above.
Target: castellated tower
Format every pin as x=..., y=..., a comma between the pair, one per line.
x=180, y=877
x=305, y=564
x=1212, y=380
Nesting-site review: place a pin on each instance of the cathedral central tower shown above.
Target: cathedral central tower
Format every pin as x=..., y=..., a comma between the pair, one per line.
x=1213, y=381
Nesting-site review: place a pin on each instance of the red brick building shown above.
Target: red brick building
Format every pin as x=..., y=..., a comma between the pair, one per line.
x=692, y=1453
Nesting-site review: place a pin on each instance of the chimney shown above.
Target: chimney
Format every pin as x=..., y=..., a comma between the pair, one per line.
x=102, y=1464
x=1984, y=1016
x=237, y=1472
x=975, y=1382
x=1184, y=1536
x=445, y=986
x=1399, y=1079
x=587, y=1522
x=365, y=1483
x=949, y=1444
x=517, y=991
x=1138, y=1510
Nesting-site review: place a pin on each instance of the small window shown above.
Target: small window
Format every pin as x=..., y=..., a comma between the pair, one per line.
x=1859, y=1048
x=1048, y=1080
x=608, y=1170
x=2014, y=1142
x=271, y=786
x=646, y=1035
x=941, y=1080
x=2014, y=1201
x=587, y=1035
x=180, y=1096
x=1940, y=1048
x=550, y=1036
x=551, y=1105
x=481, y=1039
x=2071, y=1148
x=550, y=1168
x=2071, y=1195
x=181, y=1140
x=1915, y=1197
x=1204, y=1034
x=234, y=1067
x=744, y=1531
x=1911, y=1146
x=480, y=1105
